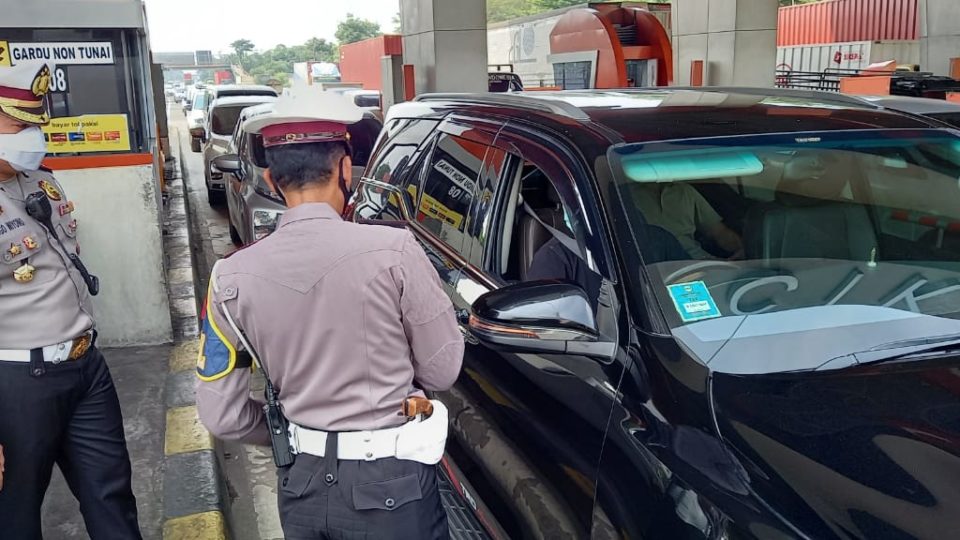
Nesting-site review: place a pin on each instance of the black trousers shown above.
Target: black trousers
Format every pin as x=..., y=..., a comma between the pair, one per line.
x=326, y=498
x=69, y=416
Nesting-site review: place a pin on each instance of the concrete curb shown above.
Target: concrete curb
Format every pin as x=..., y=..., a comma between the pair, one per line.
x=194, y=488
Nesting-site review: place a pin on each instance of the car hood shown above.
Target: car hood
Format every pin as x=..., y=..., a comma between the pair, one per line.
x=870, y=451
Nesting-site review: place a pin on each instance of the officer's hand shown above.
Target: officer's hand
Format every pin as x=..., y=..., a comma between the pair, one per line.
x=1, y=467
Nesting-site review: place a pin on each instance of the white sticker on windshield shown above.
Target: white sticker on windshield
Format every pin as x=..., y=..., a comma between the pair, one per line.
x=693, y=301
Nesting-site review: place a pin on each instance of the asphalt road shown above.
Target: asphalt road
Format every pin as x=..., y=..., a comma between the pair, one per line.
x=250, y=473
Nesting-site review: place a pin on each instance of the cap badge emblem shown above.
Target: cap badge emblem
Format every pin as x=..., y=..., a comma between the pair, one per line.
x=41, y=83
x=50, y=190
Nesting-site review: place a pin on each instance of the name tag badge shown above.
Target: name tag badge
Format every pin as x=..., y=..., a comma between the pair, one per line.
x=693, y=301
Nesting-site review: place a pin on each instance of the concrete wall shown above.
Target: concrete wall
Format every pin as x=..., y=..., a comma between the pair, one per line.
x=939, y=34
x=446, y=41
x=526, y=45
x=736, y=39
x=121, y=242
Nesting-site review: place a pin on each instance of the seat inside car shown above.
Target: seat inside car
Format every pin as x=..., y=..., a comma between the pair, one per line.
x=539, y=196
x=811, y=216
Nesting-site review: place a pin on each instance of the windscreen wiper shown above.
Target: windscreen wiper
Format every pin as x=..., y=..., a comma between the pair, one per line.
x=897, y=350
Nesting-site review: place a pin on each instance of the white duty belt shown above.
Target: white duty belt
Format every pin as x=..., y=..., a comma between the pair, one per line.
x=71, y=349
x=422, y=441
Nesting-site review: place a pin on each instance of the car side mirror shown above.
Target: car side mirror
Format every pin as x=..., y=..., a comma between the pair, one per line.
x=199, y=133
x=537, y=316
x=229, y=163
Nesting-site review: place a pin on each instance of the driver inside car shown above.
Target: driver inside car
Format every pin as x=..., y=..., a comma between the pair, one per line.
x=555, y=261
x=681, y=210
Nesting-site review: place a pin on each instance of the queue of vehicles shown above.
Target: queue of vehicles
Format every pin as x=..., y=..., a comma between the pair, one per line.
x=805, y=387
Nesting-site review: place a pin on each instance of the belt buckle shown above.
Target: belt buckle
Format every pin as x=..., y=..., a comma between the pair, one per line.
x=80, y=346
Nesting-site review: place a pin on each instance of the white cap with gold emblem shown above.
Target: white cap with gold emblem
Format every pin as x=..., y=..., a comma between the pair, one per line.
x=22, y=91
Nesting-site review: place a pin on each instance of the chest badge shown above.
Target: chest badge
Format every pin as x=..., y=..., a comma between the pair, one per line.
x=15, y=250
x=66, y=208
x=51, y=190
x=24, y=274
x=72, y=226
x=30, y=243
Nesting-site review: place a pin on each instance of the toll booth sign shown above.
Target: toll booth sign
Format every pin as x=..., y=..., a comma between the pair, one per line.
x=57, y=53
x=88, y=133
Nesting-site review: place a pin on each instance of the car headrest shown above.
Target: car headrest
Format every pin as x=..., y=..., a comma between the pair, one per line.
x=812, y=178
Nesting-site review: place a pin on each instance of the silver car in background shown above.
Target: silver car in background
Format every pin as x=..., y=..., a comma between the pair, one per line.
x=254, y=209
x=216, y=135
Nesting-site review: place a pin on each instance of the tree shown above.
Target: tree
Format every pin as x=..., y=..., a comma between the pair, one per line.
x=547, y=5
x=397, y=24
x=322, y=50
x=241, y=47
x=504, y=10
x=353, y=29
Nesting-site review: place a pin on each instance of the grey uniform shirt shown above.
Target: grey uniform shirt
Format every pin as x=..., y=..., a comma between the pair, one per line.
x=349, y=320
x=54, y=306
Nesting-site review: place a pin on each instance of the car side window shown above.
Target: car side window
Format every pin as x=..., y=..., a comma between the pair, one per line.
x=478, y=240
x=450, y=189
x=534, y=232
x=396, y=152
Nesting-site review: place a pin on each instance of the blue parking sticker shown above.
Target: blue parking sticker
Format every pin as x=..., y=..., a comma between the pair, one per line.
x=693, y=301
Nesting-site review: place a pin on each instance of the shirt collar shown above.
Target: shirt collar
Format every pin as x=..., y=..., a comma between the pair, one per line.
x=309, y=211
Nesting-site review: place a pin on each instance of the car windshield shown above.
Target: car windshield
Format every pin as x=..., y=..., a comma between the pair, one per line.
x=223, y=120
x=200, y=101
x=800, y=233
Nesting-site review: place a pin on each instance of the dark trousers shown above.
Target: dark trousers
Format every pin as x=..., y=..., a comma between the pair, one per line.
x=70, y=416
x=326, y=498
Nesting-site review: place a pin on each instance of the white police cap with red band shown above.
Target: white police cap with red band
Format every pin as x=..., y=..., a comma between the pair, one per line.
x=306, y=114
x=22, y=91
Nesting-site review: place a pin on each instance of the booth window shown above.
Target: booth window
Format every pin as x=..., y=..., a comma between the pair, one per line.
x=103, y=89
x=572, y=75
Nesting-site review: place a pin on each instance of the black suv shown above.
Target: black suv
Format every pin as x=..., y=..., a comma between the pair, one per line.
x=714, y=313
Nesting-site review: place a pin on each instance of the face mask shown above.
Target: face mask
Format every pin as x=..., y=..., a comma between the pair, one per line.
x=24, y=151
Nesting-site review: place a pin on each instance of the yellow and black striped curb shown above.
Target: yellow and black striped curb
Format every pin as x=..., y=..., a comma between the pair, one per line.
x=193, y=485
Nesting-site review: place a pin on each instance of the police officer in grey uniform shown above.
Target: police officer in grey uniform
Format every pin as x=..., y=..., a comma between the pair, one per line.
x=350, y=323
x=58, y=404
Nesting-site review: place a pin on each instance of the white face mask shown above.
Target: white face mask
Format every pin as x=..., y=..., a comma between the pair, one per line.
x=24, y=151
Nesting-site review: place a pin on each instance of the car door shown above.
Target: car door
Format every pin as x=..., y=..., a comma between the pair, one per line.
x=534, y=423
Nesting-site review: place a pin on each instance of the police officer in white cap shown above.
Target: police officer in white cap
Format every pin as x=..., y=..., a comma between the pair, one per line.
x=351, y=325
x=58, y=404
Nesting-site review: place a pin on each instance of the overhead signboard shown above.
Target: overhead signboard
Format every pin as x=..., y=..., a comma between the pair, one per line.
x=57, y=53
x=88, y=133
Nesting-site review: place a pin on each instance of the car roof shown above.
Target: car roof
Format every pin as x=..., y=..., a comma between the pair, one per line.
x=914, y=105
x=241, y=89
x=646, y=114
x=241, y=100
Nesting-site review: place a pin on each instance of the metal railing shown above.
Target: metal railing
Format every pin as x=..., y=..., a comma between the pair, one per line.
x=906, y=83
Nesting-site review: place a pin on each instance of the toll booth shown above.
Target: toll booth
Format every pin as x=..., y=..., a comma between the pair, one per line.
x=102, y=143
x=610, y=45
